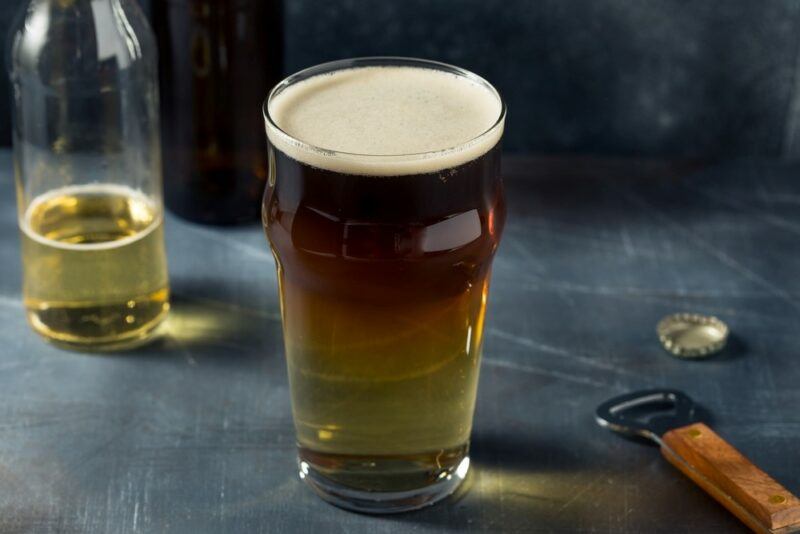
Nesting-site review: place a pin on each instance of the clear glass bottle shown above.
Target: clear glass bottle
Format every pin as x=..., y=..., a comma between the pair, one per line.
x=87, y=163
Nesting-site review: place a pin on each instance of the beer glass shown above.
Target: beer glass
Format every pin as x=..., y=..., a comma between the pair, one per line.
x=384, y=209
x=87, y=164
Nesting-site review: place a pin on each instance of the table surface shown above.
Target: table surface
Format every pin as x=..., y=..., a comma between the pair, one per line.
x=194, y=433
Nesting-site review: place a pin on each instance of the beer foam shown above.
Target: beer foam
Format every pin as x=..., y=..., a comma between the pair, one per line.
x=386, y=120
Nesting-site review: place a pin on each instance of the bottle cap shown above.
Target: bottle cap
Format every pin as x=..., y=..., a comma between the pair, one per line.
x=690, y=335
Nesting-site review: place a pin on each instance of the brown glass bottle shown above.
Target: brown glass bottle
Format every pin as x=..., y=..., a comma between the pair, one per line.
x=218, y=60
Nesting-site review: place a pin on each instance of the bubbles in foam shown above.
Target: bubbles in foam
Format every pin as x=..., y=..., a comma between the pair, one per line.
x=385, y=120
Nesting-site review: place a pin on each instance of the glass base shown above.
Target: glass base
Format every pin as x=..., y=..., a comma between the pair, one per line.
x=439, y=484
x=127, y=341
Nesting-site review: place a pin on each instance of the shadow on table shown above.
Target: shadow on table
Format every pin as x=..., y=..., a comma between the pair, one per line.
x=523, y=454
x=735, y=349
x=201, y=327
x=515, y=483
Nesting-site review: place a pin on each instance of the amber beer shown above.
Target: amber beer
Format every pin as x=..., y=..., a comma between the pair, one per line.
x=384, y=210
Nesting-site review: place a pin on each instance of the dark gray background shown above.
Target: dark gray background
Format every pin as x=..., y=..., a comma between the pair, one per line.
x=623, y=77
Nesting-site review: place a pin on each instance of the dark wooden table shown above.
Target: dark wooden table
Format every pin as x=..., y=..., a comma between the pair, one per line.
x=194, y=433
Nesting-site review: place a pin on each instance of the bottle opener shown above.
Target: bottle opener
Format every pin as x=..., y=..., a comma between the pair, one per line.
x=668, y=418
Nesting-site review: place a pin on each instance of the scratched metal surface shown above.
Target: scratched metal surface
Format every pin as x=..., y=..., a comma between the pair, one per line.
x=193, y=434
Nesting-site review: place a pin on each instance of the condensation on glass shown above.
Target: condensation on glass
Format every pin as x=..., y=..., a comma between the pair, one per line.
x=87, y=163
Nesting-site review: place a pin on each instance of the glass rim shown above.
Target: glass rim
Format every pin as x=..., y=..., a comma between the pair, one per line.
x=380, y=61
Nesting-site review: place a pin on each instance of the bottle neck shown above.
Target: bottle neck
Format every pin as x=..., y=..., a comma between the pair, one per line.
x=72, y=4
x=76, y=35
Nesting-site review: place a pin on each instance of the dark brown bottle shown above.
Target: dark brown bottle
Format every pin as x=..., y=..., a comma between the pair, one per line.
x=218, y=60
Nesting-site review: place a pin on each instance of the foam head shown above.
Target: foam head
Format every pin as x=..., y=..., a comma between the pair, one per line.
x=385, y=120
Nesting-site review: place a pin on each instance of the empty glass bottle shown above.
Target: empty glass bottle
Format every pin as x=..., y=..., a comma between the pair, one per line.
x=88, y=171
x=219, y=58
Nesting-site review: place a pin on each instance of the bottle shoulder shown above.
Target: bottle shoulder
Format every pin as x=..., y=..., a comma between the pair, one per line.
x=59, y=41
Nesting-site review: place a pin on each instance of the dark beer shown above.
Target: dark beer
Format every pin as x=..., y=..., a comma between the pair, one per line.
x=218, y=57
x=384, y=280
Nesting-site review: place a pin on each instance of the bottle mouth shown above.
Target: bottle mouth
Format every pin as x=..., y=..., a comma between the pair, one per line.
x=388, y=164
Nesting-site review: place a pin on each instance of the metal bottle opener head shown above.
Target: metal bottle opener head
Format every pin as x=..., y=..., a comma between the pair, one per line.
x=647, y=413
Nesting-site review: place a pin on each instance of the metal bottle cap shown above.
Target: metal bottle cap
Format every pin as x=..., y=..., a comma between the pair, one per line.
x=689, y=335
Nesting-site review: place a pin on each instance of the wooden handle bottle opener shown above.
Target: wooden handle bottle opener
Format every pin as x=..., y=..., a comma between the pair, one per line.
x=667, y=417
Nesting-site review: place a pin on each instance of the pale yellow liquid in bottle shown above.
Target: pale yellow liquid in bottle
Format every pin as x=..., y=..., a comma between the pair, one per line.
x=94, y=266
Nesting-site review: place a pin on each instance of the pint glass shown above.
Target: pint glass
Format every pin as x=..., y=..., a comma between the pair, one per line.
x=384, y=209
